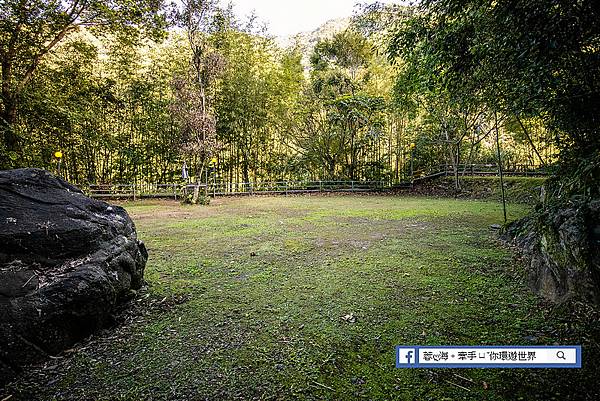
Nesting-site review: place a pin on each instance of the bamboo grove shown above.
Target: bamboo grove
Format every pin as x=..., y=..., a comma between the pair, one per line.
x=128, y=106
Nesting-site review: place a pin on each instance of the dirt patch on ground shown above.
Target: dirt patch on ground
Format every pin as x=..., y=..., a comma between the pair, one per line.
x=167, y=209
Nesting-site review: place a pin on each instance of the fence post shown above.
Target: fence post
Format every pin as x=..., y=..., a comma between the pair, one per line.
x=286, y=188
x=352, y=184
x=320, y=186
x=133, y=188
x=196, y=192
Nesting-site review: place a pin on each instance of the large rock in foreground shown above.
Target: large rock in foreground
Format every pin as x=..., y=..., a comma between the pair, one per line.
x=562, y=243
x=66, y=262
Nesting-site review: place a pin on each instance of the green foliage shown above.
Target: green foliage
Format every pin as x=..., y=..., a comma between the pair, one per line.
x=31, y=30
x=108, y=122
x=342, y=122
x=201, y=199
x=523, y=59
x=346, y=50
x=123, y=109
x=258, y=91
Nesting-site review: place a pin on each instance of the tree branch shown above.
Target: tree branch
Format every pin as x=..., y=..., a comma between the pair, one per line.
x=73, y=15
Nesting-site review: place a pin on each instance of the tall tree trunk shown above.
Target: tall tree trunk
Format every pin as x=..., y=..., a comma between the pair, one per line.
x=530, y=140
x=8, y=118
x=456, y=173
x=332, y=168
x=245, y=170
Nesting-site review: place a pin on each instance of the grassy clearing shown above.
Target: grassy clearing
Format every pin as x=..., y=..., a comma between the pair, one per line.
x=246, y=299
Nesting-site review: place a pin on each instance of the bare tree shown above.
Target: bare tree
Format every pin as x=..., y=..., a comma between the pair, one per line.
x=193, y=106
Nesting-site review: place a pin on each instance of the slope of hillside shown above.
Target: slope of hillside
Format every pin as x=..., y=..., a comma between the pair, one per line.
x=306, y=41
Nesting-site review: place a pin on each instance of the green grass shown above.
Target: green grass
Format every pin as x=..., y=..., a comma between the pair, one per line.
x=267, y=281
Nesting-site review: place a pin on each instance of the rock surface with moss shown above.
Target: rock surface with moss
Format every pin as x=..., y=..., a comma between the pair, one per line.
x=562, y=243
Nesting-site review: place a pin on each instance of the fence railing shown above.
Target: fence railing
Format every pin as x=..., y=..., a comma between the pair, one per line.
x=180, y=190
x=177, y=191
x=523, y=170
x=138, y=190
x=286, y=187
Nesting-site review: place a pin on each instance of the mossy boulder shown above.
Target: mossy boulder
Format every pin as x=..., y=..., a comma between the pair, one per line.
x=562, y=244
x=66, y=262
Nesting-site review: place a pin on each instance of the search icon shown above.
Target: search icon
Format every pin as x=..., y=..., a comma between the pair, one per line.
x=561, y=355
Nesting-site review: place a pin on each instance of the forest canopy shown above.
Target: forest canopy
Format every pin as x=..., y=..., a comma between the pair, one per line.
x=132, y=91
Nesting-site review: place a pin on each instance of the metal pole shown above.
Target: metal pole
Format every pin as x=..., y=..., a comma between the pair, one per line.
x=500, y=166
x=412, y=172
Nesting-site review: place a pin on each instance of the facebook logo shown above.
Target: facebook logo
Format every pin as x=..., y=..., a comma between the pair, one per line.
x=406, y=357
